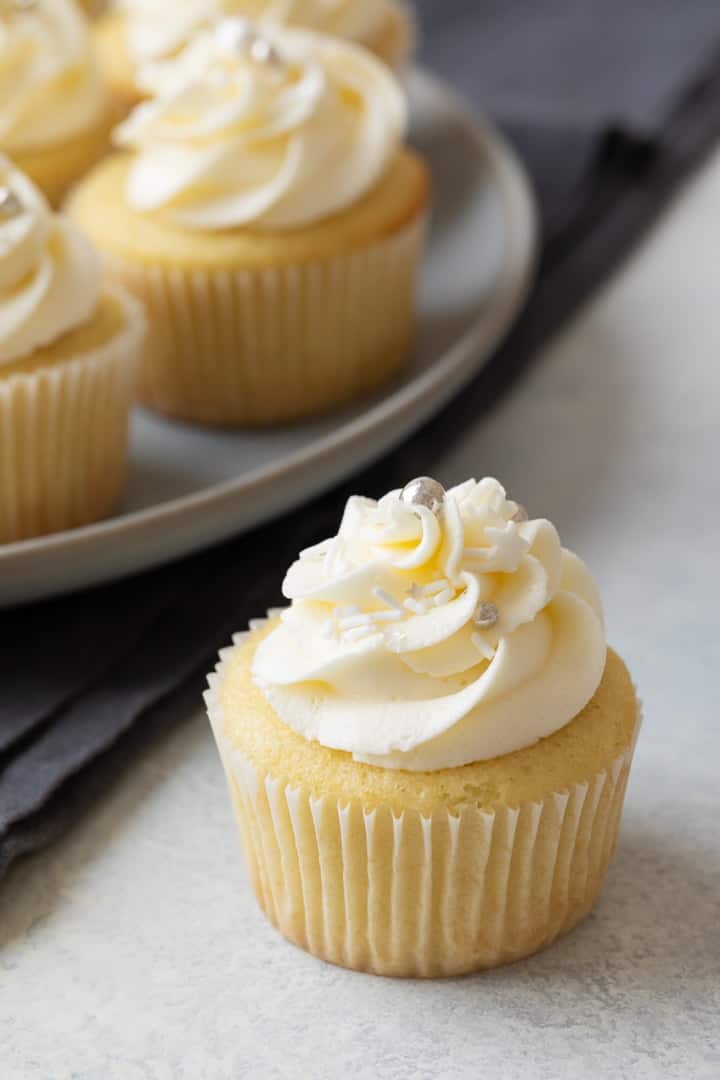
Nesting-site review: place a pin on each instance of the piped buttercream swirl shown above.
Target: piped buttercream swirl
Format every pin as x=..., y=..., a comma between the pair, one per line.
x=275, y=130
x=159, y=28
x=49, y=273
x=50, y=86
x=425, y=640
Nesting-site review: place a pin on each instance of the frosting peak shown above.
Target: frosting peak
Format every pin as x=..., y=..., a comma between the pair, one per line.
x=50, y=87
x=277, y=130
x=49, y=273
x=158, y=28
x=428, y=636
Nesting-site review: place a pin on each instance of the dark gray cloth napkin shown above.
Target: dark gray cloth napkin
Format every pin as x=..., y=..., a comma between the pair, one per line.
x=611, y=105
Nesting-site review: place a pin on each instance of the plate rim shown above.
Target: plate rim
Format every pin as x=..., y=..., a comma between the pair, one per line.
x=514, y=283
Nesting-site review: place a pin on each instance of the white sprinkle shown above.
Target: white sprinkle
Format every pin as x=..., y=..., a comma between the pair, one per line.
x=328, y=629
x=346, y=610
x=443, y=597
x=355, y=620
x=434, y=587
x=482, y=646
x=384, y=597
x=358, y=633
x=479, y=553
x=415, y=591
x=416, y=606
x=233, y=36
x=387, y=616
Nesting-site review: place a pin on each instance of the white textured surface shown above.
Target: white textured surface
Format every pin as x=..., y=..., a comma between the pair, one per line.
x=134, y=951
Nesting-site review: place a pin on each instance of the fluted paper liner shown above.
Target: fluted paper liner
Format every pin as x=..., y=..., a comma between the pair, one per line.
x=260, y=346
x=410, y=895
x=63, y=436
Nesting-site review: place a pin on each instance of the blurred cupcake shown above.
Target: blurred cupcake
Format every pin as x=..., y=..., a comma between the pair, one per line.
x=271, y=220
x=136, y=32
x=68, y=352
x=55, y=114
x=427, y=752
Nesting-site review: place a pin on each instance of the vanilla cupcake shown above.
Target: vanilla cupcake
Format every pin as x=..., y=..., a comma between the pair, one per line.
x=55, y=114
x=271, y=219
x=427, y=752
x=136, y=32
x=68, y=352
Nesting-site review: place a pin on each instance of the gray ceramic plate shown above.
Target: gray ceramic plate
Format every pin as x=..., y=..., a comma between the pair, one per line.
x=189, y=487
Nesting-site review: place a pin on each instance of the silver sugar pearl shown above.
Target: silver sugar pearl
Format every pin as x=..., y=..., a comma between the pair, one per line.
x=520, y=514
x=263, y=51
x=424, y=491
x=486, y=615
x=10, y=204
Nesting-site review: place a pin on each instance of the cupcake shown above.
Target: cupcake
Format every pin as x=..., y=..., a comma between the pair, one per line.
x=55, y=115
x=135, y=32
x=427, y=751
x=271, y=219
x=68, y=352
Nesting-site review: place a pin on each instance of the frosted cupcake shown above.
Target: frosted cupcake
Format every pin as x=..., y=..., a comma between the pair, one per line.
x=271, y=219
x=68, y=352
x=55, y=115
x=136, y=32
x=427, y=752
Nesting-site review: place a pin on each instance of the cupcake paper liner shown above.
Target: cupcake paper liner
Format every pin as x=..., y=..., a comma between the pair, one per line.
x=419, y=896
x=63, y=436
x=262, y=346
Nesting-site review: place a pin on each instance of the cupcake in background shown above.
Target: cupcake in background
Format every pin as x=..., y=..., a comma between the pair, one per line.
x=270, y=218
x=136, y=32
x=428, y=750
x=68, y=355
x=55, y=113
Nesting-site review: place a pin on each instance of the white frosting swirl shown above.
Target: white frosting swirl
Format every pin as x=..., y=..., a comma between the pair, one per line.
x=50, y=87
x=380, y=653
x=231, y=140
x=159, y=28
x=49, y=273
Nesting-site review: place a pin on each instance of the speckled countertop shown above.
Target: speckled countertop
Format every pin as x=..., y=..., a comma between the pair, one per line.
x=134, y=949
